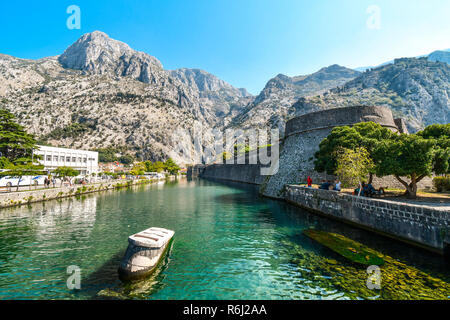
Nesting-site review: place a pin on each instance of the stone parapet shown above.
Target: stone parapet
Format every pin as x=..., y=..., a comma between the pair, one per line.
x=425, y=226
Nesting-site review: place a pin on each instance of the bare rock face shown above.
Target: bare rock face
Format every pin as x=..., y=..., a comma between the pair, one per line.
x=101, y=93
x=271, y=108
x=222, y=98
x=97, y=53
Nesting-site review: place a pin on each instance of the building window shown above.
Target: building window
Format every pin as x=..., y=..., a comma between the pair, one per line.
x=61, y=159
x=74, y=159
x=55, y=158
x=67, y=159
x=85, y=160
x=49, y=158
x=79, y=159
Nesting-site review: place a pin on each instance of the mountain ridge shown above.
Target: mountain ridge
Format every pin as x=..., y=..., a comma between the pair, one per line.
x=415, y=89
x=99, y=92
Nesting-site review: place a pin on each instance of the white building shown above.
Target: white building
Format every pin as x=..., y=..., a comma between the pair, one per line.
x=86, y=162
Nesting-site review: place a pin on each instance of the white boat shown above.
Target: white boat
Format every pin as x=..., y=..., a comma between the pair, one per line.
x=145, y=250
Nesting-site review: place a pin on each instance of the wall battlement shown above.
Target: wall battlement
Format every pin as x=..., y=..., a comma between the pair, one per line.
x=328, y=119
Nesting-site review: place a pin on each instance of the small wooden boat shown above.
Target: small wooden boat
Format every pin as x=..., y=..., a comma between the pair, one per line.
x=145, y=250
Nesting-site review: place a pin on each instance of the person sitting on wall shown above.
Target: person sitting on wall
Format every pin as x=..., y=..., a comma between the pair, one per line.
x=361, y=188
x=371, y=191
x=337, y=186
x=325, y=185
x=309, y=181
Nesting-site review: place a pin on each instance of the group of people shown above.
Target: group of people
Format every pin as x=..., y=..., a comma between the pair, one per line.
x=49, y=180
x=52, y=180
x=367, y=190
x=326, y=185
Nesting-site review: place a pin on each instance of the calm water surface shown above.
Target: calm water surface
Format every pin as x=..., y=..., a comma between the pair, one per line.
x=229, y=244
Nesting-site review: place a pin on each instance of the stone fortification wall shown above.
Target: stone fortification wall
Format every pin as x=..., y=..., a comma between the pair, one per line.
x=422, y=225
x=302, y=139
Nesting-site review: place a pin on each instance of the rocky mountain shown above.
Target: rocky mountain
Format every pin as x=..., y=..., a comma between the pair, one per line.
x=442, y=56
x=439, y=55
x=96, y=53
x=415, y=89
x=271, y=106
x=101, y=93
x=222, y=98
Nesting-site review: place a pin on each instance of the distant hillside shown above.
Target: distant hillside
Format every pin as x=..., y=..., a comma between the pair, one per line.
x=417, y=90
x=439, y=55
x=270, y=107
x=442, y=56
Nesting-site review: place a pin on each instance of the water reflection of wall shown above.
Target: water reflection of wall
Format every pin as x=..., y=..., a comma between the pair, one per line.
x=70, y=214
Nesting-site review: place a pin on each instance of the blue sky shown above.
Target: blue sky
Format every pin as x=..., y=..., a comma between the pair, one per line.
x=244, y=42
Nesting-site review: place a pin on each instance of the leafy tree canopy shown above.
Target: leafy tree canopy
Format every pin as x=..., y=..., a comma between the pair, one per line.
x=65, y=172
x=138, y=169
x=15, y=142
x=353, y=166
x=365, y=134
x=413, y=156
x=171, y=166
x=126, y=159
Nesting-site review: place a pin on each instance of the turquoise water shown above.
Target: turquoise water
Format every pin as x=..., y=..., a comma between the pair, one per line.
x=229, y=244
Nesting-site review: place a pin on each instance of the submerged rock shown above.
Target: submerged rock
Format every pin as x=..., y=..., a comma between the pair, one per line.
x=347, y=248
x=398, y=280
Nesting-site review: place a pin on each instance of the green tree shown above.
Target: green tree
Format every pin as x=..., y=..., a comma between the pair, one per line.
x=158, y=166
x=412, y=156
x=149, y=166
x=171, y=167
x=126, y=159
x=138, y=169
x=107, y=154
x=5, y=163
x=365, y=134
x=65, y=172
x=408, y=156
x=15, y=142
x=440, y=133
x=353, y=166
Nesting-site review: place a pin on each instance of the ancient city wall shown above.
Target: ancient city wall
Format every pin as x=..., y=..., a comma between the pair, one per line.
x=303, y=136
x=421, y=225
x=246, y=173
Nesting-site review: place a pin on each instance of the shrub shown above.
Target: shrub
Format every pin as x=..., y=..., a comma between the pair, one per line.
x=442, y=184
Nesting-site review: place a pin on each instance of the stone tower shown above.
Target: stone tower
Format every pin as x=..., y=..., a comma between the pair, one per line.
x=303, y=136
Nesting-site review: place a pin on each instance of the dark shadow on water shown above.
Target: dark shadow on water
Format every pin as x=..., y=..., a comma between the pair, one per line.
x=106, y=279
x=105, y=276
